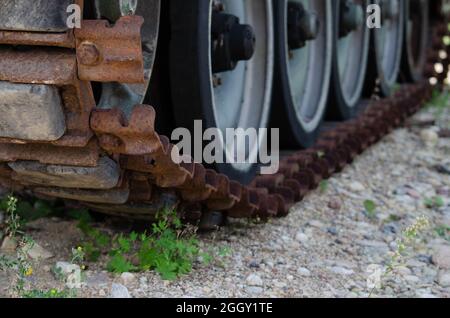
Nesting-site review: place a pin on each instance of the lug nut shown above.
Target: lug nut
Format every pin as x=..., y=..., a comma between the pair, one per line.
x=351, y=17
x=303, y=25
x=232, y=41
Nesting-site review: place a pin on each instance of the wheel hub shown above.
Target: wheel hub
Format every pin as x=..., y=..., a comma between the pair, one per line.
x=351, y=17
x=232, y=41
x=303, y=25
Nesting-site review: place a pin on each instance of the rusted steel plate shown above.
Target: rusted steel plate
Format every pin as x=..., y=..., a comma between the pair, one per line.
x=110, y=53
x=50, y=66
x=114, y=196
x=79, y=102
x=118, y=135
x=66, y=40
x=104, y=176
x=145, y=211
x=50, y=154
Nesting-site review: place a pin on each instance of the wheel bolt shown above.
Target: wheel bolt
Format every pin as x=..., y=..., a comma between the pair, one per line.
x=351, y=17
x=88, y=54
x=232, y=42
x=303, y=25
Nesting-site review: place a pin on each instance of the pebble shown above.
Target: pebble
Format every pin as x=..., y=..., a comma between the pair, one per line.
x=412, y=278
x=427, y=259
x=335, y=204
x=71, y=274
x=119, y=291
x=315, y=223
x=356, y=186
x=9, y=245
x=254, y=264
x=302, y=271
x=97, y=280
x=441, y=256
x=37, y=252
x=390, y=228
x=143, y=281
x=341, y=271
x=429, y=137
x=253, y=290
x=254, y=280
x=127, y=278
x=444, y=279
x=302, y=237
x=332, y=231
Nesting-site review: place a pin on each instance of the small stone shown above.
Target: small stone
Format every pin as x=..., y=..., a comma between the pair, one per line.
x=427, y=259
x=316, y=224
x=253, y=264
x=71, y=274
x=444, y=279
x=335, y=204
x=332, y=231
x=356, y=186
x=97, y=280
x=119, y=291
x=143, y=280
x=101, y=293
x=412, y=278
x=342, y=271
x=37, y=252
x=302, y=271
x=127, y=278
x=441, y=257
x=429, y=137
x=9, y=245
x=390, y=228
x=302, y=237
x=254, y=290
x=254, y=280
x=279, y=284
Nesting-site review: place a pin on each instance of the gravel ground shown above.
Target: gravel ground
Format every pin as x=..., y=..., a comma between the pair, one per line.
x=327, y=247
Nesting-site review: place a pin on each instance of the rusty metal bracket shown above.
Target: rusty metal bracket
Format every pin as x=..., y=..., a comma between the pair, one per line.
x=118, y=135
x=110, y=53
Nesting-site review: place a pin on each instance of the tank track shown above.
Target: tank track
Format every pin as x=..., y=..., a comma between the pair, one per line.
x=118, y=164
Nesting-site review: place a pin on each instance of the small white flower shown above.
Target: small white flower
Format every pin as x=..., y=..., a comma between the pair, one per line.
x=374, y=278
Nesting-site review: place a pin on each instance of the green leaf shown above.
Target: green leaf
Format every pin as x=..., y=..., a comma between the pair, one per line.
x=370, y=206
x=119, y=264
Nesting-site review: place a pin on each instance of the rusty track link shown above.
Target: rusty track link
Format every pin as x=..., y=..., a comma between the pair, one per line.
x=149, y=179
